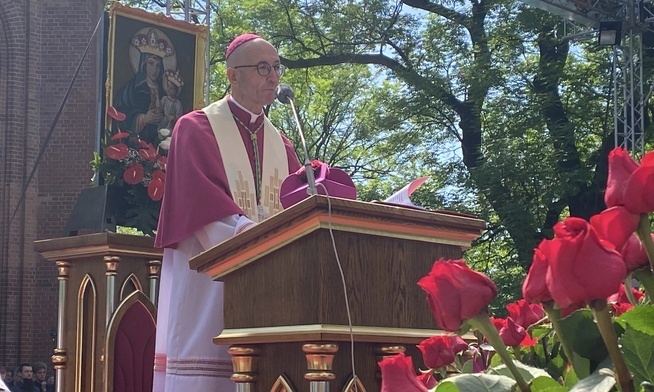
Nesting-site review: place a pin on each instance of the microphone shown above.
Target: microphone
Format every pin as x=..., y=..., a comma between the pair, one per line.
x=285, y=95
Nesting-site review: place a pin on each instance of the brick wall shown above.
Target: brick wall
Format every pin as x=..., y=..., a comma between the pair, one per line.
x=41, y=43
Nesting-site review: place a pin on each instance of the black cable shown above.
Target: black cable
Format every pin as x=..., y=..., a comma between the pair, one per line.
x=54, y=123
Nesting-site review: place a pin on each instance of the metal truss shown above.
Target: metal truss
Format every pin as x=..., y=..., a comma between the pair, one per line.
x=582, y=18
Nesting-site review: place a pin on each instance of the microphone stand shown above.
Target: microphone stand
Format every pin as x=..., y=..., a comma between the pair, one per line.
x=311, y=177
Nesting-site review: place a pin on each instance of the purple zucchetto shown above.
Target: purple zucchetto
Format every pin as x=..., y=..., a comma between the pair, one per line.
x=238, y=41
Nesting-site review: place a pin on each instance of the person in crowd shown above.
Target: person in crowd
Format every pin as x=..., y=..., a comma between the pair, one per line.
x=40, y=377
x=26, y=383
x=225, y=166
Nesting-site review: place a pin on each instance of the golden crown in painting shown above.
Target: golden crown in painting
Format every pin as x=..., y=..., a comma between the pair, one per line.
x=174, y=77
x=152, y=44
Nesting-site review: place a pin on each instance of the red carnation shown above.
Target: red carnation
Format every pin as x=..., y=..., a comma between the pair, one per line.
x=117, y=151
x=133, y=174
x=115, y=114
x=155, y=189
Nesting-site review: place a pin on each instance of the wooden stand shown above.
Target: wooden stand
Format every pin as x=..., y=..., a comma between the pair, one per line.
x=285, y=311
x=107, y=282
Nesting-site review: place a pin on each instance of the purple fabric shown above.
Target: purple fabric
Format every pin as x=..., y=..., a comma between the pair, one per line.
x=238, y=41
x=197, y=190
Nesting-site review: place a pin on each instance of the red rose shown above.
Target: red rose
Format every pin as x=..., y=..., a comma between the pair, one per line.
x=615, y=224
x=437, y=351
x=398, y=375
x=456, y=293
x=428, y=379
x=524, y=313
x=115, y=114
x=458, y=344
x=534, y=288
x=639, y=187
x=634, y=253
x=155, y=189
x=618, y=309
x=512, y=334
x=576, y=255
x=133, y=174
x=498, y=323
x=117, y=151
x=621, y=165
x=621, y=295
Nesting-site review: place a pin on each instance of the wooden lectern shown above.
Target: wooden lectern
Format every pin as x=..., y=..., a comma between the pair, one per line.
x=286, y=317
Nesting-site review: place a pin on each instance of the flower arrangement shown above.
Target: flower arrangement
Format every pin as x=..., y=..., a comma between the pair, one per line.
x=135, y=169
x=586, y=322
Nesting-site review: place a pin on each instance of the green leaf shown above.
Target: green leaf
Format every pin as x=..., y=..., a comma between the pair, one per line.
x=477, y=383
x=546, y=384
x=638, y=349
x=639, y=318
x=584, y=336
x=528, y=373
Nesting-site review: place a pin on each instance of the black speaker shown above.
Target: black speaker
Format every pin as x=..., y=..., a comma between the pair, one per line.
x=91, y=213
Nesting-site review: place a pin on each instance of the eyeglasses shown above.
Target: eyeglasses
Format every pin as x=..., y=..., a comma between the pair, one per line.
x=264, y=68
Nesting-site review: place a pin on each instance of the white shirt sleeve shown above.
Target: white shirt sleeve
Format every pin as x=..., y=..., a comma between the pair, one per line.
x=221, y=230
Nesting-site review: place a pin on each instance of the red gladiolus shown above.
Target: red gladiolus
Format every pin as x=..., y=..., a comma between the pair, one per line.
x=398, y=375
x=155, y=189
x=576, y=254
x=512, y=334
x=115, y=114
x=133, y=174
x=524, y=313
x=456, y=293
x=534, y=288
x=621, y=166
x=615, y=224
x=117, y=151
x=437, y=351
x=120, y=135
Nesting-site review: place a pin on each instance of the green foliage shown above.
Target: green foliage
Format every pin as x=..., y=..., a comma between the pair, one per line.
x=477, y=382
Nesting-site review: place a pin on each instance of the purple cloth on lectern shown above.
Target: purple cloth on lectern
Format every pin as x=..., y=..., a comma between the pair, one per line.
x=197, y=190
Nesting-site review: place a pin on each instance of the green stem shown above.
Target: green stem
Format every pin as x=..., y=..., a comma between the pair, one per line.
x=627, y=289
x=554, y=315
x=644, y=232
x=645, y=277
x=517, y=353
x=482, y=323
x=605, y=324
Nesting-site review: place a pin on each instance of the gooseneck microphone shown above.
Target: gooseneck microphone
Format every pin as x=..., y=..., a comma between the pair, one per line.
x=285, y=95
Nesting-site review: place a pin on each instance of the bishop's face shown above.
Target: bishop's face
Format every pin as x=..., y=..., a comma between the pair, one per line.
x=249, y=87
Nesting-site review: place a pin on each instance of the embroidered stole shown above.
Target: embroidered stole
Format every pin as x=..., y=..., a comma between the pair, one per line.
x=237, y=164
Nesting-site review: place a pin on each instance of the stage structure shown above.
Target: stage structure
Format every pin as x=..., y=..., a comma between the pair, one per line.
x=628, y=20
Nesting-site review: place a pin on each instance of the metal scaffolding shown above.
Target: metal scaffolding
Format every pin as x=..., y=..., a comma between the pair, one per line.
x=629, y=98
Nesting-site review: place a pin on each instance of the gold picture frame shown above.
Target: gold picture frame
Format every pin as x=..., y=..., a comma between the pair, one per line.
x=176, y=47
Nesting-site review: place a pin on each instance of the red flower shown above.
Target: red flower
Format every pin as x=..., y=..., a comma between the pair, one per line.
x=120, y=135
x=428, y=379
x=117, y=151
x=512, y=334
x=162, y=162
x=398, y=375
x=639, y=187
x=615, y=224
x=524, y=313
x=498, y=323
x=621, y=165
x=115, y=114
x=621, y=295
x=621, y=308
x=156, y=173
x=133, y=174
x=456, y=293
x=534, y=288
x=155, y=189
x=576, y=254
x=147, y=154
x=437, y=351
x=458, y=344
x=634, y=253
